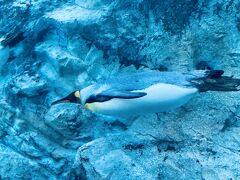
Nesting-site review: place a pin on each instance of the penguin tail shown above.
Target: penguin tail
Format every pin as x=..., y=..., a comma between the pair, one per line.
x=215, y=81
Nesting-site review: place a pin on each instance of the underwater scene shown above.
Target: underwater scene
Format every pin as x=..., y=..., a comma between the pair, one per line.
x=120, y=89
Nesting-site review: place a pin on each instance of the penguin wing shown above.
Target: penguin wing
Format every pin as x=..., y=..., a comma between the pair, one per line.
x=121, y=94
x=110, y=94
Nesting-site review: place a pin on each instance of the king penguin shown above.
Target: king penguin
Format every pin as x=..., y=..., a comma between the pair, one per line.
x=148, y=92
x=4, y=53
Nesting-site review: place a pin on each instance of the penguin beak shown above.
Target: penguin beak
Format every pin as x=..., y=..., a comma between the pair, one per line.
x=74, y=97
x=63, y=100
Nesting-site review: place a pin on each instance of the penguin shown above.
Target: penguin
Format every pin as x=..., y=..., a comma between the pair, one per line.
x=148, y=92
x=4, y=53
x=6, y=46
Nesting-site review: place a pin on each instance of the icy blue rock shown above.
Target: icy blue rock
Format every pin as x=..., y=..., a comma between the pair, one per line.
x=50, y=48
x=27, y=85
x=65, y=119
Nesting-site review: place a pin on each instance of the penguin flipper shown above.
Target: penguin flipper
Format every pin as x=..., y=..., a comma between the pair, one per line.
x=110, y=94
x=121, y=94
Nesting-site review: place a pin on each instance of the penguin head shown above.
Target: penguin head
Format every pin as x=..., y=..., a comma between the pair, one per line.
x=73, y=97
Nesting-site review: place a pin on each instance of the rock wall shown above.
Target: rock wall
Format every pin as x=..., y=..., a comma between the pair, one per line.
x=50, y=48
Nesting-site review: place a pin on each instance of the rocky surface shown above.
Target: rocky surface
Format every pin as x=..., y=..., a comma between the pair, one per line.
x=50, y=48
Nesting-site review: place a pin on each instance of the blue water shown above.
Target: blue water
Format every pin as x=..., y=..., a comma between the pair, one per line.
x=52, y=48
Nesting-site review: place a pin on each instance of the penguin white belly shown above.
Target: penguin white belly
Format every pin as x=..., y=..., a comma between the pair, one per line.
x=160, y=97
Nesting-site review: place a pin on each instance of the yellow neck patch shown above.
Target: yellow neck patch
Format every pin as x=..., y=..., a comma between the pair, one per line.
x=77, y=94
x=90, y=106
